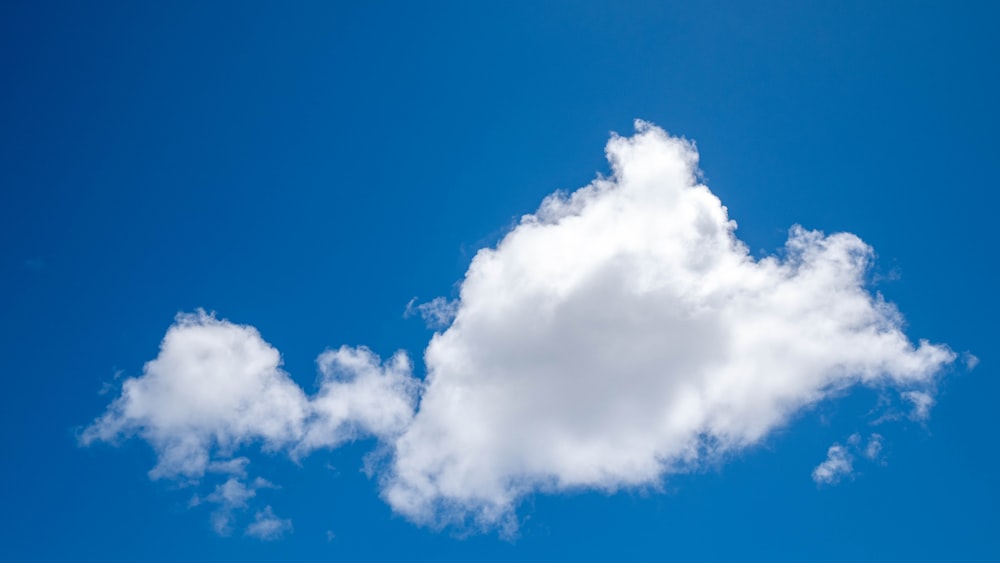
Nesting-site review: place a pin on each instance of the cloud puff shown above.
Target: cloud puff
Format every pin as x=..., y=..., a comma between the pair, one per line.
x=619, y=334
x=216, y=386
x=873, y=450
x=922, y=403
x=622, y=333
x=267, y=526
x=839, y=462
x=837, y=465
x=359, y=396
x=437, y=313
x=230, y=496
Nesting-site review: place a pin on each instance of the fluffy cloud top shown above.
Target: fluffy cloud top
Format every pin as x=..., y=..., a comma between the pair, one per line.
x=619, y=334
x=622, y=332
x=267, y=526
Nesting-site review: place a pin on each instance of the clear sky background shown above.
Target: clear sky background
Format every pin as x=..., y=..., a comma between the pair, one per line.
x=310, y=168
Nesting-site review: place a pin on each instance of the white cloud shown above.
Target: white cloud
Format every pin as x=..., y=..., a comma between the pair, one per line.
x=618, y=335
x=233, y=494
x=971, y=361
x=436, y=313
x=236, y=466
x=922, y=403
x=622, y=333
x=267, y=526
x=839, y=462
x=874, y=448
x=837, y=465
x=359, y=396
x=230, y=497
x=216, y=386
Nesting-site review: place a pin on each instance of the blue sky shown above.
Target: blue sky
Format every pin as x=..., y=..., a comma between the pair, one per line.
x=310, y=170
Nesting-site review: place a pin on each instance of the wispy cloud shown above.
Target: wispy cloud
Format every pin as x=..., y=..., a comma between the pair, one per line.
x=267, y=526
x=839, y=462
x=922, y=402
x=437, y=313
x=873, y=450
x=229, y=498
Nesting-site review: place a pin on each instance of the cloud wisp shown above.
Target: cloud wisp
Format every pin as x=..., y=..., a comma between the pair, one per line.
x=839, y=462
x=619, y=334
x=266, y=526
x=230, y=497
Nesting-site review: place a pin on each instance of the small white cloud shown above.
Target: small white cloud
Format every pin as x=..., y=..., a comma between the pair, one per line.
x=436, y=313
x=971, y=361
x=231, y=496
x=266, y=526
x=359, y=396
x=236, y=466
x=874, y=448
x=214, y=387
x=233, y=493
x=922, y=403
x=838, y=464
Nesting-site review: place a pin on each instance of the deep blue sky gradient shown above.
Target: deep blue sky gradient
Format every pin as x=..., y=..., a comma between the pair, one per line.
x=310, y=168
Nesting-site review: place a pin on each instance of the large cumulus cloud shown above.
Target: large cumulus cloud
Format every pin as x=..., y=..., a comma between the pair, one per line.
x=623, y=332
x=617, y=335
